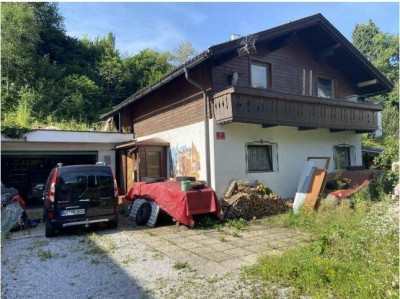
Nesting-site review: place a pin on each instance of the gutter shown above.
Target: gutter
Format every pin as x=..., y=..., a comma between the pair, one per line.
x=206, y=127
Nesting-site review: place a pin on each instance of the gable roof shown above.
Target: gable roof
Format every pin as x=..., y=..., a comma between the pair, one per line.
x=324, y=39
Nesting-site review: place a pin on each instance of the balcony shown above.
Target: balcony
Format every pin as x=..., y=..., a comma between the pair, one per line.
x=271, y=108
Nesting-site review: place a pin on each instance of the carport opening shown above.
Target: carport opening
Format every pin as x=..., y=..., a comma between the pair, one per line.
x=28, y=172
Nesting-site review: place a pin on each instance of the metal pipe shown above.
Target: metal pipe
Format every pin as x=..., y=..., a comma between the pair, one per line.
x=206, y=128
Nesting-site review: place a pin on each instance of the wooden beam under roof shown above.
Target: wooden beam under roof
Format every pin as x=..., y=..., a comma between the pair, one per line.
x=367, y=83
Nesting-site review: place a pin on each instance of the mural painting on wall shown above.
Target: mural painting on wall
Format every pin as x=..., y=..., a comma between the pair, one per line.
x=185, y=161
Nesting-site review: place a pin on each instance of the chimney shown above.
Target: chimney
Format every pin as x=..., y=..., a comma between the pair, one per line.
x=235, y=36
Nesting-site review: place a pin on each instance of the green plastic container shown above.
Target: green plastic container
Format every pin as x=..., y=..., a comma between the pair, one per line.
x=185, y=185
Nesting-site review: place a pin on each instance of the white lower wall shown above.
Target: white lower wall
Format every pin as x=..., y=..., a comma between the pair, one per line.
x=228, y=156
x=294, y=146
x=187, y=150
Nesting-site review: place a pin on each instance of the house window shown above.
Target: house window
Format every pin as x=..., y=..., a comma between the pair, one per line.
x=325, y=88
x=260, y=75
x=341, y=155
x=261, y=157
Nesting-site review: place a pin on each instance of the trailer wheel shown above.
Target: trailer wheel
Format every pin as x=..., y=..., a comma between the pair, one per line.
x=143, y=214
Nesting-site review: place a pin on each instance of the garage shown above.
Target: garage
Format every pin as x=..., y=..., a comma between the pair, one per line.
x=26, y=162
x=28, y=171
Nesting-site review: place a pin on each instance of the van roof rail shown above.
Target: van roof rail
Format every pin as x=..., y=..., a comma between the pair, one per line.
x=101, y=163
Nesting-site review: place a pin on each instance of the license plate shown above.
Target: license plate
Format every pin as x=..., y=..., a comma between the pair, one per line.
x=72, y=212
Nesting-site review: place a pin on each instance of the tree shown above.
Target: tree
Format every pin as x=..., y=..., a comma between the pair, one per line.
x=81, y=98
x=147, y=67
x=110, y=66
x=19, y=37
x=183, y=52
x=363, y=35
x=56, y=77
x=52, y=31
x=382, y=50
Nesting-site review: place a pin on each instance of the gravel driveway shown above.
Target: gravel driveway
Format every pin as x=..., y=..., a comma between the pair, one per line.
x=103, y=263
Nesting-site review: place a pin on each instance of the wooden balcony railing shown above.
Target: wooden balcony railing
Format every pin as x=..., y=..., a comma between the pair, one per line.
x=269, y=108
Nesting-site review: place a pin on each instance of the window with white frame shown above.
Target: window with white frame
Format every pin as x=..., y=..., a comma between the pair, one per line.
x=260, y=75
x=342, y=155
x=325, y=88
x=261, y=157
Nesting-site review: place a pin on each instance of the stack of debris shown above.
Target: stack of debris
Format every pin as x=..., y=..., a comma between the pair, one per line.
x=246, y=201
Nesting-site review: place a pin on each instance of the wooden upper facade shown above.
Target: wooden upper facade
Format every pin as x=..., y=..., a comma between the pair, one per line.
x=303, y=74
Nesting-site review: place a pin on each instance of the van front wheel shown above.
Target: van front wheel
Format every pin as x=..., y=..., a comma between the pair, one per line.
x=50, y=231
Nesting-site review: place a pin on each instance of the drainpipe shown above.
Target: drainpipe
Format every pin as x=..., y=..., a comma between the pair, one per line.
x=206, y=129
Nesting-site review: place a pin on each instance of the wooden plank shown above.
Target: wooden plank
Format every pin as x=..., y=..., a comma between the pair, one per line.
x=230, y=190
x=230, y=201
x=318, y=180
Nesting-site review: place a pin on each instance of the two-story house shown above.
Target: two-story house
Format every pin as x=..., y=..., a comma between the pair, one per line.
x=254, y=108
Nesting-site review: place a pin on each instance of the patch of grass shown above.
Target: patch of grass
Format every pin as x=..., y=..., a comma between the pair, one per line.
x=354, y=255
x=236, y=234
x=157, y=254
x=96, y=250
x=151, y=234
x=218, y=227
x=45, y=254
x=181, y=265
x=100, y=245
x=206, y=222
x=222, y=238
x=37, y=244
x=239, y=224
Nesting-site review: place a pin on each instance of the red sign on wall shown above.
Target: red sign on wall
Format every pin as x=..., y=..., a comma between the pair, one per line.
x=221, y=135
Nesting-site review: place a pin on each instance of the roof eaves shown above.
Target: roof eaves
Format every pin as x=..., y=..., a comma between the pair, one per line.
x=168, y=77
x=353, y=50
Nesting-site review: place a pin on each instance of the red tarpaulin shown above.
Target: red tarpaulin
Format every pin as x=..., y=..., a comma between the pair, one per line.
x=179, y=204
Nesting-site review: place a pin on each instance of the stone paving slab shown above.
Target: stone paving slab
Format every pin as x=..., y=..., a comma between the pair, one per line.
x=218, y=252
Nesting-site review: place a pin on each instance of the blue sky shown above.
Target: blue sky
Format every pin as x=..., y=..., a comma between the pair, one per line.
x=162, y=26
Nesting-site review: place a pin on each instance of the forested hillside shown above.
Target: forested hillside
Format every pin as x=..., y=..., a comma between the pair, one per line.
x=50, y=78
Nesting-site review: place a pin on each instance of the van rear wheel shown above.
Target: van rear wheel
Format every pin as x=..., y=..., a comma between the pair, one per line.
x=50, y=231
